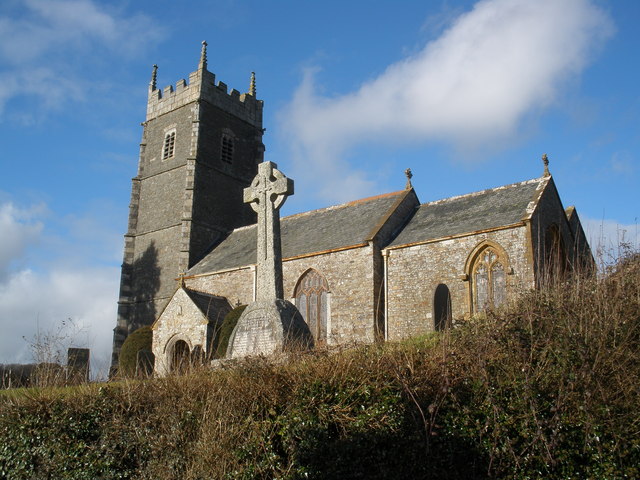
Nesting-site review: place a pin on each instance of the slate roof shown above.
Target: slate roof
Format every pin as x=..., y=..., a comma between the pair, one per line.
x=212, y=306
x=496, y=207
x=347, y=225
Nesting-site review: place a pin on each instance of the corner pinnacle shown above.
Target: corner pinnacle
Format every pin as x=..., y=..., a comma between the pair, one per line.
x=252, y=85
x=154, y=78
x=203, y=56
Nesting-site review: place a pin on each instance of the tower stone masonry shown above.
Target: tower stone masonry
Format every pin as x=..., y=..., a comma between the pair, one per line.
x=200, y=149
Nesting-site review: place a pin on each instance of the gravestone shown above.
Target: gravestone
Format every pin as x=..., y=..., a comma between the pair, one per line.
x=270, y=324
x=78, y=364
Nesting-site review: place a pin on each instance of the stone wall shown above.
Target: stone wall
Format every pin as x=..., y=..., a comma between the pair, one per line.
x=236, y=285
x=350, y=276
x=415, y=271
x=180, y=121
x=550, y=212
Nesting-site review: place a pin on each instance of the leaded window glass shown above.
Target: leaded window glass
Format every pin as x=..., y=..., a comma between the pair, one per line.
x=312, y=302
x=489, y=281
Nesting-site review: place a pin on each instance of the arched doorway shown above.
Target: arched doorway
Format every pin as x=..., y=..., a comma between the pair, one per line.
x=441, y=308
x=312, y=301
x=180, y=356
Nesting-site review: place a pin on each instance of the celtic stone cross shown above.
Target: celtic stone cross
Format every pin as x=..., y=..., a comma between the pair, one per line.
x=266, y=195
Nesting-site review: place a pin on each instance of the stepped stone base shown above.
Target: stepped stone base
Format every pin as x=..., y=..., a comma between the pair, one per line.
x=267, y=328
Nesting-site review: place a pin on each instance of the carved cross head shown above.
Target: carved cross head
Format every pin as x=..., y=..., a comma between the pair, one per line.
x=269, y=188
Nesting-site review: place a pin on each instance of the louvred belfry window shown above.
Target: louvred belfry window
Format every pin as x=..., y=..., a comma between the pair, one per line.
x=168, y=148
x=489, y=281
x=226, y=153
x=311, y=299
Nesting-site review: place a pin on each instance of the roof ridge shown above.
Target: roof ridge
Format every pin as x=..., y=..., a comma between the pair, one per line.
x=344, y=205
x=487, y=190
x=189, y=290
x=244, y=227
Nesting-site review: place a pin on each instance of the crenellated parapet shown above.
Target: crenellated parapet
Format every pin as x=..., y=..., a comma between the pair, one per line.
x=202, y=86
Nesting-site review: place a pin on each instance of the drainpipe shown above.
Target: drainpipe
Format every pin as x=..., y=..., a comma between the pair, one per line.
x=385, y=259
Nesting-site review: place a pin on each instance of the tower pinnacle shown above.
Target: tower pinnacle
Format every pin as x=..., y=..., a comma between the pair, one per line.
x=203, y=56
x=154, y=77
x=252, y=85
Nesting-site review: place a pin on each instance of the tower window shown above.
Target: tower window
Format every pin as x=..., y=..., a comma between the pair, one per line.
x=168, y=148
x=226, y=153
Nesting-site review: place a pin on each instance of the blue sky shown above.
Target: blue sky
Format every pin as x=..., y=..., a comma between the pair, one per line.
x=467, y=94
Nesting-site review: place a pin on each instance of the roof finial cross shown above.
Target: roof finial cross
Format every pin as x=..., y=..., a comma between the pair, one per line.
x=266, y=194
x=409, y=176
x=545, y=161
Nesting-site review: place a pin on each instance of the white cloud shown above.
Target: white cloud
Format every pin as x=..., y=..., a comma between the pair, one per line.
x=67, y=287
x=47, y=46
x=471, y=87
x=19, y=230
x=30, y=301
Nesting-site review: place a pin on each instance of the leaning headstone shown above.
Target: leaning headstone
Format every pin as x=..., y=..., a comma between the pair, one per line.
x=78, y=365
x=270, y=324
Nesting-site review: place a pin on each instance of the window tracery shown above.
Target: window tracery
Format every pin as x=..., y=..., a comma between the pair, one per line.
x=312, y=296
x=489, y=280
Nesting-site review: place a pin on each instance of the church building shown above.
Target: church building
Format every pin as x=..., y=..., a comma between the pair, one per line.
x=382, y=268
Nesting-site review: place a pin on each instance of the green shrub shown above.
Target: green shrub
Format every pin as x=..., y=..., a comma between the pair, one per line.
x=226, y=329
x=141, y=339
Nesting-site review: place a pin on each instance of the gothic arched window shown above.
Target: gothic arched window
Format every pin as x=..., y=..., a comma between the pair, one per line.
x=489, y=281
x=312, y=301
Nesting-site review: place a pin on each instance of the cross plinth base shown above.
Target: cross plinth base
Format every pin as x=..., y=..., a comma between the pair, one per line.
x=269, y=327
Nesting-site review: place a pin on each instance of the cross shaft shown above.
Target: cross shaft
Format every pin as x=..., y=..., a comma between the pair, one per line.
x=266, y=194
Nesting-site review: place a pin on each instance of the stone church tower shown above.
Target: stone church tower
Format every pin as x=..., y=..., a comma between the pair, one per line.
x=200, y=148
